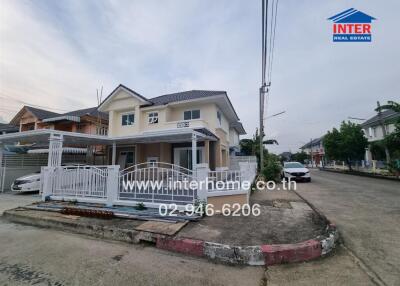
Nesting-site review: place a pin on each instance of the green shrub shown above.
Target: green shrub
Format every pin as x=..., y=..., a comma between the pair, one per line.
x=140, y=206
x=272, y=168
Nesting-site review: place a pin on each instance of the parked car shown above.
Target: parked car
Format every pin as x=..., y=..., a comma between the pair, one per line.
x=27, y=183
x=295, y=171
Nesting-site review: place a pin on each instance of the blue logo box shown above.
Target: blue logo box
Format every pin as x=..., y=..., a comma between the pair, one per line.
x=352, y=37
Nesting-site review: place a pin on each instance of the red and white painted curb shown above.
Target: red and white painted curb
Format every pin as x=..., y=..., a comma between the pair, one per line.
x=268, y=254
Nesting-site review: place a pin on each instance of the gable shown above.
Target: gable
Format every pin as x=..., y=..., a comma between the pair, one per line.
x=121, y=101
x=23, y=115
x=122, y=95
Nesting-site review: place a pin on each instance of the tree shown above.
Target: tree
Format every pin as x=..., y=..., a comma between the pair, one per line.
x=251, y=147
x=346, y=144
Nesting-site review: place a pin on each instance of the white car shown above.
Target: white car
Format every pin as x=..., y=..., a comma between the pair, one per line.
x=27, y=183
x=295, y=171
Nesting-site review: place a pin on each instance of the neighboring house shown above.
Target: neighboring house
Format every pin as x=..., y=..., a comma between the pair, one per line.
x=286, y=156
x=89, y=120
x=316, y=148
x=208, y=113
x=8, y=128
x=373, y=128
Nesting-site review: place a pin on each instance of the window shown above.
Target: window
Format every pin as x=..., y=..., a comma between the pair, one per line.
x=130, y=157
x=219, y=116
x=128, y=119
x=374, y=131
x=191, y=114
x=153, y=117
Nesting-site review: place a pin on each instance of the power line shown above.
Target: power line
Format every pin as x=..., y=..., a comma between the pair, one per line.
x=27, y=103
x=272, y=38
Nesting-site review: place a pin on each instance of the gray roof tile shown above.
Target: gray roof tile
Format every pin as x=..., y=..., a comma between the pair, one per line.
x=184, y=95
x=387, y=114
x=41, y=113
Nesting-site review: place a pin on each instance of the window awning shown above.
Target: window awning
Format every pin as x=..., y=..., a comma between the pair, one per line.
x=63, y=118
x=66, y=150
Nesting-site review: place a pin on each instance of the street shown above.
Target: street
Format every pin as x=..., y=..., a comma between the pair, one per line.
x=367, y=213
x=364, y=209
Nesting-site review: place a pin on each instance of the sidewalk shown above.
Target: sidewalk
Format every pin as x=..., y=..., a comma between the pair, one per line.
x=287, y=230
x=285, y=218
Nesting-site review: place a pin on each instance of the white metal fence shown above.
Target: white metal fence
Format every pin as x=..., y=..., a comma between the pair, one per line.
x=157, y=183
x=150, y=183
x=224, y=180
x=77, y=181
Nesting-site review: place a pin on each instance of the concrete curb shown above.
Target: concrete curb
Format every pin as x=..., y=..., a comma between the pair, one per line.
x=268, y=254
x=361, y=174
x=227, y=254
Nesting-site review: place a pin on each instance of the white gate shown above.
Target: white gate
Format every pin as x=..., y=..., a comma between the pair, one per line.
x=157, y=182
x=77, y=181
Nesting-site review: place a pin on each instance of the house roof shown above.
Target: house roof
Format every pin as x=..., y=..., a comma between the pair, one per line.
x=351, y=16
x=312, y=143
x=205, y=131
x=386, y=115
x=41, y=113
x=238, y=126
x=184, y=95
x=131, y=91
x=48, y=116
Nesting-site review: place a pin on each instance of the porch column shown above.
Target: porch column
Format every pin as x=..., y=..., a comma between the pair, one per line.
x=114, y=153
x=2, y=170
x=55, y=150
x=207, y=151
x=194, y=151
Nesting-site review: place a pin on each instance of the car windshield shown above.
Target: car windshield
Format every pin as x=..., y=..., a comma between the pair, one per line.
x=293, y=165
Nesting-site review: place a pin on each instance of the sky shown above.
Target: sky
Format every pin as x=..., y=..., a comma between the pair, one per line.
x=55, y=54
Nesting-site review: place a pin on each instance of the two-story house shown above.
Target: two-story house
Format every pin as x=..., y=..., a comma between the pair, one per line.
x=155, y=129
x=373, y=130
x=315, y=148
x=88, y=120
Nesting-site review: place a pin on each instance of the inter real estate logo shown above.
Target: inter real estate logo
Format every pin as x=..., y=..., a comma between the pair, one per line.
x=352, y=26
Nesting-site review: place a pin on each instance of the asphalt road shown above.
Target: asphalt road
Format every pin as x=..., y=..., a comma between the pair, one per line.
x=367, y=213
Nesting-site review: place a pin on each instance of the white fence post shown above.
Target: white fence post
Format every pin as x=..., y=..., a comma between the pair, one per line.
x=248, y=171
x=47, y=184
x=201, y=176
x=112, y=184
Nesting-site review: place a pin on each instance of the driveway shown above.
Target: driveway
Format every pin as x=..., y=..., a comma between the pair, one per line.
x=367, y=213
x=13, y=200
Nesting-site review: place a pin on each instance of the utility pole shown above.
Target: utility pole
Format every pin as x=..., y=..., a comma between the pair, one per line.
x=382, y=123
x=262, y=100
x=311, y=153
x=264, y=33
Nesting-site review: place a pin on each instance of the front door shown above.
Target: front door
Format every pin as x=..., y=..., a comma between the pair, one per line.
x=183, y=156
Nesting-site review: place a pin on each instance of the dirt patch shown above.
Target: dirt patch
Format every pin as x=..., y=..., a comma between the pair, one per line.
x=273, y=226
